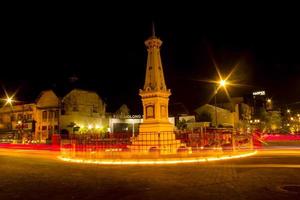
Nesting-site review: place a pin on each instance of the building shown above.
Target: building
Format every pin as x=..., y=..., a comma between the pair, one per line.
x=83, y=111
x=47, y=116
x=241, y=110
x=18, y=121
x=79, y=111
x=219, y=117
x=260, y=101
x=179, y=111
x=122, y=122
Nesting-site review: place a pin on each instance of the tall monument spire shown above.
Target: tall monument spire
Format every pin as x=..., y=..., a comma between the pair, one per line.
x=154, y=80
x=155, y=95
x=153, y=30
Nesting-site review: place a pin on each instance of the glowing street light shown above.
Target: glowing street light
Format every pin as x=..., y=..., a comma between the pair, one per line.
x=288, y=111
x=222, y=83
x=9, y=100
x=269, y=100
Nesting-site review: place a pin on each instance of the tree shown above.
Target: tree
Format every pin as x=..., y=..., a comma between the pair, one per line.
x=269, y=121
x=181, y=124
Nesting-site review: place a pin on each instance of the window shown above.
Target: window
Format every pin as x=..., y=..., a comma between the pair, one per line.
x=75, y=108
x=44, y=115
x=44, y=128
x=20, y=116
x=29, y=116
x=13, y=117
x=56, y=127
x=56, y=114
x=50, y=115
x=95, y=109
x=150, y=112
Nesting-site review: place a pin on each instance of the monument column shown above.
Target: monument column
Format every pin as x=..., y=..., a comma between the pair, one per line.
x=155, y=95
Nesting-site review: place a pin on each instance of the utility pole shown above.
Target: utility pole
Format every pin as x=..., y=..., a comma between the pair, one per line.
x=216, y=112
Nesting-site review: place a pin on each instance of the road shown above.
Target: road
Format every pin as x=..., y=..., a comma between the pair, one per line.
x=40, y=175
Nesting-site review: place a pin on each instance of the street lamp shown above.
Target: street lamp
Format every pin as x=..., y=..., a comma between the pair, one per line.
x=132, y=120
x=9, y=101
x=221, y=83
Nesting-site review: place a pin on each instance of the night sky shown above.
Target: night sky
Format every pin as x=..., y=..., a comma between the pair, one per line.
x=104, y=47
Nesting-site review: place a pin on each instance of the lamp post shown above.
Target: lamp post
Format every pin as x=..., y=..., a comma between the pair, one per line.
x=216, y=112
x=221, y=83
x=9, y=101
x=132, y=120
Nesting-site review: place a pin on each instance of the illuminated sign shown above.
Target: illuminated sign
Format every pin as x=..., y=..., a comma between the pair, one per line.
x=127, y=116
x=259, y=93
x=23, y=126
x=132, y=117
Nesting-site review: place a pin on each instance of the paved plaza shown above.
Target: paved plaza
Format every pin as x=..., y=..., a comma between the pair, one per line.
x=40, y=175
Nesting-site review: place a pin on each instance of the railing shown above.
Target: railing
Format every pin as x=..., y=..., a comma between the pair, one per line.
x=123, y=145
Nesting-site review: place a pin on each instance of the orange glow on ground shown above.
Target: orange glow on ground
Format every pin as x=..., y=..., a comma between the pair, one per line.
x=155, y=161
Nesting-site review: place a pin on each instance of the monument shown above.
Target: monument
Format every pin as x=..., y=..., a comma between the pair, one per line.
x=155, y=132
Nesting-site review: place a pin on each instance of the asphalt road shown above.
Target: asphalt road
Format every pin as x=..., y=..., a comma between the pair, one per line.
x=40, y=175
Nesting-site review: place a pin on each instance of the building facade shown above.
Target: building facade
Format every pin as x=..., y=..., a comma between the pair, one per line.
x=217, y=116
x=83, y=111
x=79, y=111
x=47, y=116
x=18, y=121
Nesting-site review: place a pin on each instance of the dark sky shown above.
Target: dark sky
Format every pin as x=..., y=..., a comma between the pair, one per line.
x=41, y=47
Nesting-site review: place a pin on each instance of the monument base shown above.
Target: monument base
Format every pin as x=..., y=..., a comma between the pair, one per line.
x=156, y=137
x=156, y=127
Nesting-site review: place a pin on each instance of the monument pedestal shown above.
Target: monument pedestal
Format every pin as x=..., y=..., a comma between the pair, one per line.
x=156, y=137
x=162, y=142
x=156, y=127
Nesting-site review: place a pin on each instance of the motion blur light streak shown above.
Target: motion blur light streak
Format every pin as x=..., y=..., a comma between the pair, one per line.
x=154, y=161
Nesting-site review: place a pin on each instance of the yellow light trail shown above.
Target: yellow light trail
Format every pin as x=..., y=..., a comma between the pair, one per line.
x=154, y=161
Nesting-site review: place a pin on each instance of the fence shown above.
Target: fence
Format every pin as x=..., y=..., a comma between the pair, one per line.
x=123, y=145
